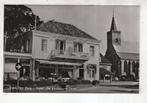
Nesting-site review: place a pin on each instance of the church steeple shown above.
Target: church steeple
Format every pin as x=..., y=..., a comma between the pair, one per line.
x=114, y=35
x=113, y=25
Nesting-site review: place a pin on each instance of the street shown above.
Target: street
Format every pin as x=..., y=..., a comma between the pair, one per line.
x=114, y=87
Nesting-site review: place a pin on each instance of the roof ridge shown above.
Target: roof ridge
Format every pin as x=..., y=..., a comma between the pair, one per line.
x=58, y=22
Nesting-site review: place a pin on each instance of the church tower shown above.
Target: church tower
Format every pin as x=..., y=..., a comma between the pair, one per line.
x=113, y=36
x=122, y=62
x=113, y=45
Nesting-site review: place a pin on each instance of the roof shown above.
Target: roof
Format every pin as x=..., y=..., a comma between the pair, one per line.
x=133, y=56
x=63, y=29
x=104, y=59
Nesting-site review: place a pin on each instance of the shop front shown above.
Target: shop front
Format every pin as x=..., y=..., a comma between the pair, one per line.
x=47, y=69
x=10, y=72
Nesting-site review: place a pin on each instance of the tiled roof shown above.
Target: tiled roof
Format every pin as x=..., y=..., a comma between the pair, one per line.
x=104, y=59
x=133, y=56
x=64, y=29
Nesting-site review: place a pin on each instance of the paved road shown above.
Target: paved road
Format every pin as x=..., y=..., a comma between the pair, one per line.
x=114, y=87
x=103, y=87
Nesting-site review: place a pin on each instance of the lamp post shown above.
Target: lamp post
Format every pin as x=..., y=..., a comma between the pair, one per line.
x=18, y=66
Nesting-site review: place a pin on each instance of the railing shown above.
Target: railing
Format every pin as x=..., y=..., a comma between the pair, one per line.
x=69, y=54
x=18, y=51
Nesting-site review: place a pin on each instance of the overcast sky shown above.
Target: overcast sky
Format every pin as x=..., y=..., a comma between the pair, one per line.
x=96, y=21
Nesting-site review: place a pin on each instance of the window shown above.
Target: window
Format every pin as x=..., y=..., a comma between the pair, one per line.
x=78, y=47
x=60, y=45
x=92, y=70
x=91, y=73
x=92, y=50
x=44, y=45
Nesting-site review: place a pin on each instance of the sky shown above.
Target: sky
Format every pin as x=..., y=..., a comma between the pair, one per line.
x=96, y=21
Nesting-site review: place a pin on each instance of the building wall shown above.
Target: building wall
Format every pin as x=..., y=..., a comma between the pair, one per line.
x=37, y=53
x=50, y=37
x=93, y=60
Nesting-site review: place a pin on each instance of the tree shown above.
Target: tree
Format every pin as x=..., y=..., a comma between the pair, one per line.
x=18, y=19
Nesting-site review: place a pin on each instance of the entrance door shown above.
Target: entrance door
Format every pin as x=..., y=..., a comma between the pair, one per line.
x=81, y=73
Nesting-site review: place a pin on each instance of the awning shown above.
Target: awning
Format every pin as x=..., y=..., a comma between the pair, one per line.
x=58, y=63
x=9, y=67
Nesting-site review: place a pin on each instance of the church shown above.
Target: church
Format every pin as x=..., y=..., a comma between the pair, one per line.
x=123, y=63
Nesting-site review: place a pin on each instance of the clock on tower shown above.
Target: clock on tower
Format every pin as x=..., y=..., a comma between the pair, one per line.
x=116, y=38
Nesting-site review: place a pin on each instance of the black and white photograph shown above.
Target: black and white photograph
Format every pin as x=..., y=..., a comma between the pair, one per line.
x=71, y=49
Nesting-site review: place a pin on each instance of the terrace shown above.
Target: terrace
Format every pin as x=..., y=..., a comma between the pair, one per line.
x=69, y=55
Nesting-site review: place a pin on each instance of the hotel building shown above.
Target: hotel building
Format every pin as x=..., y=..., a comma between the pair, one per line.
x=55, y=48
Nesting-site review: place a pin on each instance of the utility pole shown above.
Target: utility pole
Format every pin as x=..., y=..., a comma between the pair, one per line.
x=18, y=67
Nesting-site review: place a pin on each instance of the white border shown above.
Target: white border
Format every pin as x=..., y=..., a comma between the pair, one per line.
x=80, y=98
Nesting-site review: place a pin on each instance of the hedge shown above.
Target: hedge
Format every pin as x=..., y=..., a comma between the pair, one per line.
x=11, y=82
x=42, y=83
x=95, y=82
x=26, y=83
x=75, y=82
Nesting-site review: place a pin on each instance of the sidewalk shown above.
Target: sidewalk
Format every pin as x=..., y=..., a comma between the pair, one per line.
x=106, y=88
x=119, y=83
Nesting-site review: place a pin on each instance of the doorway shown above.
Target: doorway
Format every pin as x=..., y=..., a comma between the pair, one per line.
x=81, y=73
